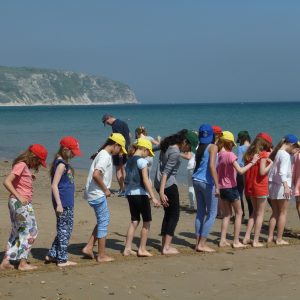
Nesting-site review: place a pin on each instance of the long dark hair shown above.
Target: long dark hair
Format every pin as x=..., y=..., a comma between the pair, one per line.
x=199, y=154
x=177, y=138
x=108, y=142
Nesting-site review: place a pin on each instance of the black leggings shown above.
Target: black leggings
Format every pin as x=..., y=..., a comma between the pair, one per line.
x=240, y=186
x=171, y=216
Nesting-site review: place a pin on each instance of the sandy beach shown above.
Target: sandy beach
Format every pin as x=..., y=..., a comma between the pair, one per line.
x=270, y=272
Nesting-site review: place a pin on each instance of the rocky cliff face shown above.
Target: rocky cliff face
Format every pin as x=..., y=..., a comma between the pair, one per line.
x=28, y=86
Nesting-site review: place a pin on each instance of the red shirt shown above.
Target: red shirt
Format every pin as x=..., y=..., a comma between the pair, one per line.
x=255, y=184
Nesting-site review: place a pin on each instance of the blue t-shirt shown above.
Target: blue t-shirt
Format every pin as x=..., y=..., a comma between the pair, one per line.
x=66, y=186
x=241, y=150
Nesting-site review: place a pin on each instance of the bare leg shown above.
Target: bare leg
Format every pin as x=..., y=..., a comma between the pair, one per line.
x=102, y=257
x=5, y=264
x=130, y=234
x=259, y=217
x=298, y=205
x=167, y=249
x=24, y=266
x=237, y=224
x=250, y=224
x=282, y=206
x=226, y=209
x=120, y=174
x=88, y=249
x=273, y=220
x=144, y=236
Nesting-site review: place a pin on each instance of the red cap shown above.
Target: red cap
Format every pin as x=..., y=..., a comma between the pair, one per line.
x=265, y=136
x=217, y=129
x=72, y=144
x=40, y=151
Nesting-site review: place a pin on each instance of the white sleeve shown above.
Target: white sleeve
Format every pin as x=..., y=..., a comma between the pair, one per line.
x=101, y=162
x=284, y=167
x=142, y=163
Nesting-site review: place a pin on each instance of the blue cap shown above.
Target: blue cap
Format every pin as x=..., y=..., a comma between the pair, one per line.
x=290, y=138
x=206, y=134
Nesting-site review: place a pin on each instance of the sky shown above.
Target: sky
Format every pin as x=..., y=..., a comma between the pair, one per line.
x=167, y=51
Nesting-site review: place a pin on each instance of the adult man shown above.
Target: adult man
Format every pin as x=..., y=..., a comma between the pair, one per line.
x=119, y=161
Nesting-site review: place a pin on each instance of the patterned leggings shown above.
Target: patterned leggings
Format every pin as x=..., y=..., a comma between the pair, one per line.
x=64, y=227
x=24, y=230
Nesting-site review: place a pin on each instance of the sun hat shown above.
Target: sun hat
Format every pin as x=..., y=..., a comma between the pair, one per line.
x=206, y=134
x=291, y=138
x=264, y=136
x=72, y=144
x=217, y=129
x=142, y=142
x=119, y=139
x=228, y=136
x=242, y=134
x=40, y=151
x=105, y=117
x=192, y=138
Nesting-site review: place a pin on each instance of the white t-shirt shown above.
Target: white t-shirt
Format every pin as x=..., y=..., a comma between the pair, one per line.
x=192, y=162
x=103, y=163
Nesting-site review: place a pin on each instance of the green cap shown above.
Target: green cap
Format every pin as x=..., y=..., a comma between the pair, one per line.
x=192, y=138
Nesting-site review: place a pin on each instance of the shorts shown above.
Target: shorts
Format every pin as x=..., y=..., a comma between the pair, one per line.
x=139, y=205
x=276, y=191
x=119, y=160
x=231, y=194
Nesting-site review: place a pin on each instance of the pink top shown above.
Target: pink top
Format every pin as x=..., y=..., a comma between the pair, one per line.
x=296, y=175
x=23, y=181
x=226, y=170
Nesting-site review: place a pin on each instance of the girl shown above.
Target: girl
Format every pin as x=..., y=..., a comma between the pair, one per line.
x=63, y=190
x=257, y=184
x=166, y=185
x=24, y=228
x=280, y=181
x=227, y=168
x=137, y=184
x=204, y=179
x=97, y=190
x=296, y=180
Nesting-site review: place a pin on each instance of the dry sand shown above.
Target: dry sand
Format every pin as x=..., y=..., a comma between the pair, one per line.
x=268, y=273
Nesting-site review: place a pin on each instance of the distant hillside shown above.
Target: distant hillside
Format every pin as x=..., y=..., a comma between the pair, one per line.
x=30, y=86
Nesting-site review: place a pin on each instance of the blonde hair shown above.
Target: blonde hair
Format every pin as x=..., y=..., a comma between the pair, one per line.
x=29, y=158
x=258, y=145
x=140, y=130
x=61, y=153
x=228, y=145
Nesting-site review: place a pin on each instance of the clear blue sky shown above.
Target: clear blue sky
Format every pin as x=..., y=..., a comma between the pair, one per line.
x=166, y=50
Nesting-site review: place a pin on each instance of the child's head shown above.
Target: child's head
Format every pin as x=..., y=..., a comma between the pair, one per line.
x=144, y=146
x=69, y=147
x=217, y=132
x=243, y=136
x=290, y=143
x=192, y=138
x=262, y=142
x=119, y=143
x=226, y=141
x=178, y=138
x=141, y=130
x=33, y=157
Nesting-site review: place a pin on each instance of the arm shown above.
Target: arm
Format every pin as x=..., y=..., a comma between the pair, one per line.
x=243, y=170
x=263, y=167
x=98, y=177
x=213, y=150
x=163, y=197
x=148, y=187
x=284, y=162
x=186, y=155
x=54, y=186
x=9, y=186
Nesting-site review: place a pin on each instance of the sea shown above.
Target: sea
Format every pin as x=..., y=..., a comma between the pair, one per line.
x=22, y=126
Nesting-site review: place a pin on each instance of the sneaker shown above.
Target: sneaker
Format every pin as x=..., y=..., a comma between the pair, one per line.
x=121, y=194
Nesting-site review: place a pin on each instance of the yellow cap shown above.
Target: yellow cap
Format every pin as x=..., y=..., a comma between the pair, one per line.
x=119, y=139
x=228, y=136
x=142, y=142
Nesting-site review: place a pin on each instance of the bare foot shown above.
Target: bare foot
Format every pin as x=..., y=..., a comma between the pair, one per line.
x=246, y=241
x=27, y=267
x=67, y=264
x=6, y=265
x=270, y=240
x=128, y=252
x=88, y=252
x=205, y=249
x=144, y=253
x=282, y=242
x=170, y=250
x=224, y=244
x=104, y=258
x=257, y=244
x=238, y=245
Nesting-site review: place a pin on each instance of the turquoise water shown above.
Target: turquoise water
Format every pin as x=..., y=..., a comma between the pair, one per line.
x=22, y=126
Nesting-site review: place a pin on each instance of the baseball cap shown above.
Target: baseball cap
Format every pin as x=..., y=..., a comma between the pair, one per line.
x=206, y=134
x=192, y=138
x=142, y=142
x=290, y=138
x=217, y=129
x=119, y=139
x=105, y=117
x=228, y=136
x=241, y=134
x=40, y=151
x=265, y=136
x=72, y=144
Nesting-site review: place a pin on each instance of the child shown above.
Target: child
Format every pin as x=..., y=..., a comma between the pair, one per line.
x=137, y=184
x=24, y=228
x=227, y=168
x=280, y=182
x=257, y=184
x=97, y=190
x=296, y=180
x=63, y=191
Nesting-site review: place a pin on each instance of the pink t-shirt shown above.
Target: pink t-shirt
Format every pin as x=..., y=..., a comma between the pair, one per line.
x=23, y=181
x=225, y=169
x=296, y=175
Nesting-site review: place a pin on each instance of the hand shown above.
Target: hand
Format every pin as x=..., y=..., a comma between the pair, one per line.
x=287, y=192
x=23, y=200
x=107, y=193
x=217, y=193
x=59, y=209
x=156, y=202
x=269, y=161
x=255, y=158
x=164, y=200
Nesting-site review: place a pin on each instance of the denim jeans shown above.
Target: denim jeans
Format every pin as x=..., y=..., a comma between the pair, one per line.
x=207, y=207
